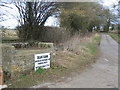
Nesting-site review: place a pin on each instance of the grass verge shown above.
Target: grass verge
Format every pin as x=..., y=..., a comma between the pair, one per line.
x=63, y=64
x=115, y=36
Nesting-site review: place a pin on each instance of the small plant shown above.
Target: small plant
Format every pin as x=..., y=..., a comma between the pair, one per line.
x=22, y=76
x=40, y=70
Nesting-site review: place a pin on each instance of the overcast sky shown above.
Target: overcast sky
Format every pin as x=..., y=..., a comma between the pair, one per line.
x=52, y=21
x=109, y=2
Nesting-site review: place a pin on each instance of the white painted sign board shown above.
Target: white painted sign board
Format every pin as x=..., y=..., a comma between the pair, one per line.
x=42, y=60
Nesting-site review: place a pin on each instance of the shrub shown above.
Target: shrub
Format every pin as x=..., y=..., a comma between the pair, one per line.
x=40, y=70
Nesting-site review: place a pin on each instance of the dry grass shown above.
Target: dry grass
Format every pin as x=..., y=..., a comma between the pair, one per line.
x=75, y=43
x=78, y=50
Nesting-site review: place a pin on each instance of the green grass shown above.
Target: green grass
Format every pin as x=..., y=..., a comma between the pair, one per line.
x=115, y=37
x=26, y=81
x=40, y=70
x=92, y=47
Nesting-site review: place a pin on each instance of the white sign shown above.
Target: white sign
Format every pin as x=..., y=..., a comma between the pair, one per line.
x=42, y=60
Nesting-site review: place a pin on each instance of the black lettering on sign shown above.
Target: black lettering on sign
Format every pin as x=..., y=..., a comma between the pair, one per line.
x=45, y=62
x=48, y=65
x=39, y=57
x=46, y=56
x=40, y=63
x=43, y=66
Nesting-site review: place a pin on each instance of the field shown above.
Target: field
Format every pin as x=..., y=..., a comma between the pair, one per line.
x=9, y=36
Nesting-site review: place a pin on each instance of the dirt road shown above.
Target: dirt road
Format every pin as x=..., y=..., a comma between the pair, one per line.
x=102, y=74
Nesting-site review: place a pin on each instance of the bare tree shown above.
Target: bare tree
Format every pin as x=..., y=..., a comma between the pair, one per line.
x=118, y=9
x=32, y=16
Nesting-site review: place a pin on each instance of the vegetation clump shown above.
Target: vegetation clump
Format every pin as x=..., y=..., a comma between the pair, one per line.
x=40, y=70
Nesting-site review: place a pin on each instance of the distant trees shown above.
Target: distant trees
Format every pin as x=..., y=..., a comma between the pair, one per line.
x=118, y=9
x=79, y=17
x=108, y=17
x=85, y=17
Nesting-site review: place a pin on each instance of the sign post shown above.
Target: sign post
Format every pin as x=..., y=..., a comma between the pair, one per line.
x=42, y=60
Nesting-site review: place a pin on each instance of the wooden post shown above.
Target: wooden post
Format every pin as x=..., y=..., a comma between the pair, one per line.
x=1, y=76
